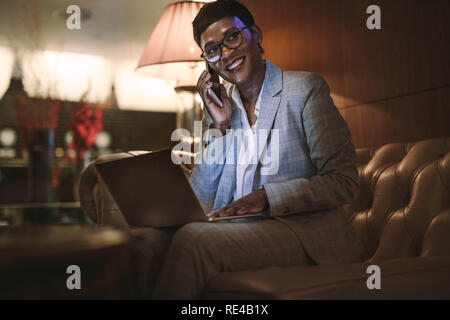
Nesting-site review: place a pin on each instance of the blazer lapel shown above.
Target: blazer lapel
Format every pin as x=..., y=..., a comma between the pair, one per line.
x=271, y=98
x=227, y=185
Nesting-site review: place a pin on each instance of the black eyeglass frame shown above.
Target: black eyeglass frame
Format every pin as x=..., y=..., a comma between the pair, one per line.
x=222, y=43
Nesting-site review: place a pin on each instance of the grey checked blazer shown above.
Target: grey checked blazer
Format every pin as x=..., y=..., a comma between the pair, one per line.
x=317, y=164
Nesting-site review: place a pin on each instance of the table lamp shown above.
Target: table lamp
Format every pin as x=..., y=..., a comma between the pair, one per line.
x=172, y=54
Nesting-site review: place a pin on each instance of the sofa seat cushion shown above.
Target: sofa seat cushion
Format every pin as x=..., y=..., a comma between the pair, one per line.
x=404, y=278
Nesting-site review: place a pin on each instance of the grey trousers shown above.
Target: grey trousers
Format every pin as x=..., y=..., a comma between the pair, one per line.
x=150, y=245
x=200, y=251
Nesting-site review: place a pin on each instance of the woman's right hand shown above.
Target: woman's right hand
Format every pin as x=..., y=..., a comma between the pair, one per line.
x=221, y=116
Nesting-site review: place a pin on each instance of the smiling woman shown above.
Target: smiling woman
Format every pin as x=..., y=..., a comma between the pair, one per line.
x=316, y=171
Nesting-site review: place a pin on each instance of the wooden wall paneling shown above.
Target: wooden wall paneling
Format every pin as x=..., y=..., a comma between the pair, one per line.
x=303, y=35
x=421, y=116
x=407, y=55
x=368, y=124
x=389, y=84
x=406, y=119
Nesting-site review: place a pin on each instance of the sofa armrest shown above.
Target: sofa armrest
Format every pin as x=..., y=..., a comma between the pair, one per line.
x=96, y=201
x=404, y=278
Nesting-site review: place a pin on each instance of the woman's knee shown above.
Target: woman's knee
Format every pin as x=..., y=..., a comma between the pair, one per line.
x=199, y=239
x=190, y=235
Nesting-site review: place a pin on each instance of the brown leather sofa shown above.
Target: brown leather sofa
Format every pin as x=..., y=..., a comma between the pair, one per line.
x=402, y=215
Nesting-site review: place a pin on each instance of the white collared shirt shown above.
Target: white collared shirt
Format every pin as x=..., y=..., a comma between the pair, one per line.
x=247, y=162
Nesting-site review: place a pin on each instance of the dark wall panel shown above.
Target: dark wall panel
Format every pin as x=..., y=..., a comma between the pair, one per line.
x=389, y=84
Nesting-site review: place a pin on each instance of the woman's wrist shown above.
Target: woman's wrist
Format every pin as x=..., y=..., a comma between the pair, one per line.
x=221, y=126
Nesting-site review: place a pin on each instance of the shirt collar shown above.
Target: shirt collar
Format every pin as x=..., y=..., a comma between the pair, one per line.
x=237, y=98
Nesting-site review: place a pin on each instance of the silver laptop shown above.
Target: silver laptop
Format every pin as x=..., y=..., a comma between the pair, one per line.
x=151, y=191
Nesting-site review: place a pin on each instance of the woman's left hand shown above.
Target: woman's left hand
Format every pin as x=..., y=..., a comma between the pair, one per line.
x=254, y=202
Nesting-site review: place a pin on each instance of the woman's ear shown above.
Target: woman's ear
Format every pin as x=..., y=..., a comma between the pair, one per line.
x=258, y=33
x=256, y=30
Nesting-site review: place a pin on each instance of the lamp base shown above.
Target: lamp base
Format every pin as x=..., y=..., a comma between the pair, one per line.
x=189, y=108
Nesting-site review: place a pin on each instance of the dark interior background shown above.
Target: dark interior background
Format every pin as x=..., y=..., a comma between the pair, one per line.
x=129, y=130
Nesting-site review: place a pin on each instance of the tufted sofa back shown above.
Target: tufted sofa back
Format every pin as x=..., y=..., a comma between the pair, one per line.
x=403, y=209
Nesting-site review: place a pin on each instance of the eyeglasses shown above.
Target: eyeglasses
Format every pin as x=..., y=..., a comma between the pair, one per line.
x=232, y=40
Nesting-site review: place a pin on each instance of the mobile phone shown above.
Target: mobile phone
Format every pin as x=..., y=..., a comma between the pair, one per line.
x=214, y=91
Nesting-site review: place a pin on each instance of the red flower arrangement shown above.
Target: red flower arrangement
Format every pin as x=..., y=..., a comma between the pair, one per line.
x=85, y=124
x=36, y=114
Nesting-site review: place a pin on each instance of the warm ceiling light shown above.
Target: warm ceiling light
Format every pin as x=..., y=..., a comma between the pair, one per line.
x=66, y=76
x=145, y=94
x=8, y=137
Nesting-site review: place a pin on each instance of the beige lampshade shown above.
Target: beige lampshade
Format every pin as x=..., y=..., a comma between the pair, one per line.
x=171, y=52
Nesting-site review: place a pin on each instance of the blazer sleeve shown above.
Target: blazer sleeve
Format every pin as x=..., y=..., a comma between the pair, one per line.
x=208, y=163
x=332, y=153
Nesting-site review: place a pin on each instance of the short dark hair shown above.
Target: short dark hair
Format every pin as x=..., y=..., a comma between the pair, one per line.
x=215, y=11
